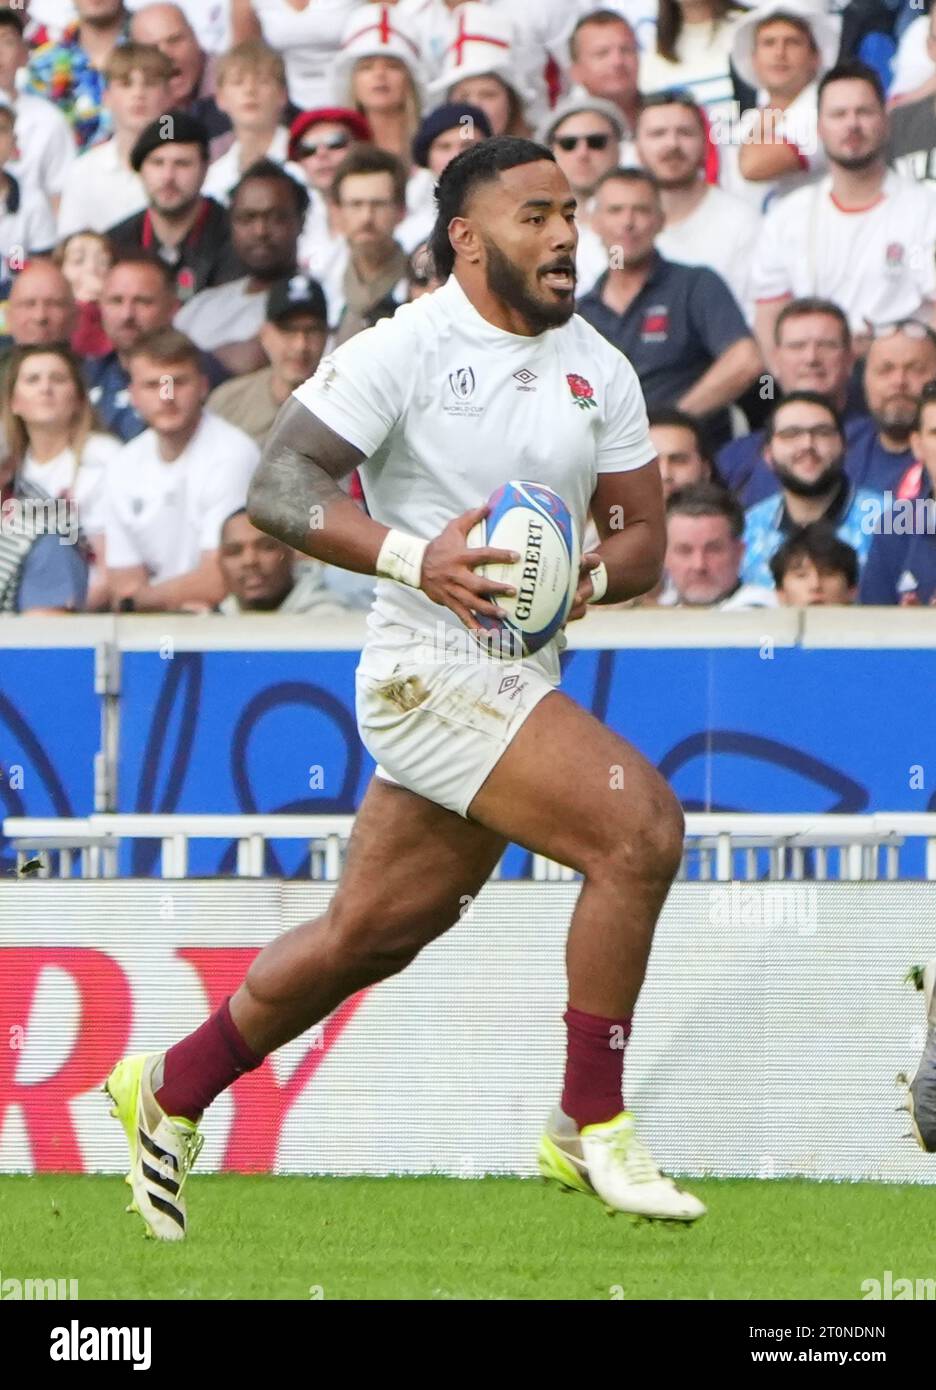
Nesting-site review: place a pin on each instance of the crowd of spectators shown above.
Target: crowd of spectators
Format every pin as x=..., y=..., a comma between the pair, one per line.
x=197, y=200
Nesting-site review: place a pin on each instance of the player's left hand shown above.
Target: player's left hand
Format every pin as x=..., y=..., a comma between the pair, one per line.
x=585, y=587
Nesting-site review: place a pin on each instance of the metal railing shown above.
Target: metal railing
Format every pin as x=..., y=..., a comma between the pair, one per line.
x=720, y=846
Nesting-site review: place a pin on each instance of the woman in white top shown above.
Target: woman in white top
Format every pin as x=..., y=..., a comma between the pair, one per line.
x=306, y=32
x=692, y=51
x=49, y=429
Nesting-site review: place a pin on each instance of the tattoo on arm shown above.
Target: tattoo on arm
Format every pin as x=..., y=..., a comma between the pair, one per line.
x=294, y=493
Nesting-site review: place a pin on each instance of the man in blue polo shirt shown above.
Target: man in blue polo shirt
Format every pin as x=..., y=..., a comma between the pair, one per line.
x=805, y=447
x=901, y=565
x=679, y=325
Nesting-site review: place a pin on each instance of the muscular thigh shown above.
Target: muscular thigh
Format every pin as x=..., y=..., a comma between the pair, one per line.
x=412, y=862
x=569, y=788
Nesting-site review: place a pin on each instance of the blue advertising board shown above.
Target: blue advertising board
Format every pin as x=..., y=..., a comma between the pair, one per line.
x=732, y=728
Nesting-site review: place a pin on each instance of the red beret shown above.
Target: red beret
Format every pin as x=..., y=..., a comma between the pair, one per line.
x=337, y=115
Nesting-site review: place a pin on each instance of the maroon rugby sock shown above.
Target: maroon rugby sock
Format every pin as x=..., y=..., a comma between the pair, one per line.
x=203, y=1065
x=594, y=1066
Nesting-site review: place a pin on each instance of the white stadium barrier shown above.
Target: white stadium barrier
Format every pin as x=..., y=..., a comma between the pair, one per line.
x=773, y=1022
x=720, y=846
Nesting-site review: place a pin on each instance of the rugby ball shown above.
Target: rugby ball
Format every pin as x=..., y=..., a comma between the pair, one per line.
x=535, y=522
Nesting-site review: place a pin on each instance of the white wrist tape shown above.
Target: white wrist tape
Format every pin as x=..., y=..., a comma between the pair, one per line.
x=599, y=579
x=401, y=558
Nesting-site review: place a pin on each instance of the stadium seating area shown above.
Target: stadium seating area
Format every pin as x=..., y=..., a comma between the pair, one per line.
x=215, y=193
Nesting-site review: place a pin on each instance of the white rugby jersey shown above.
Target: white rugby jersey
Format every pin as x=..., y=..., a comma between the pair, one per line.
x=164, y=515
x=447, y=407
x=877, y=263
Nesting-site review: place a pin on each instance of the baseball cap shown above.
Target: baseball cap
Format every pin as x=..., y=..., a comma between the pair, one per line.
x=300, y=294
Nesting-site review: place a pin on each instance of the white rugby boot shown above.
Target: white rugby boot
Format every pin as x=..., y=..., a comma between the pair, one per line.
x=609, y=1162
x=920, y=1093
x=162, y=1148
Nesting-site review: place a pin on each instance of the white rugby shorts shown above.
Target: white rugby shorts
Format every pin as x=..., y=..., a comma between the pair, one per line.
x=438, y=727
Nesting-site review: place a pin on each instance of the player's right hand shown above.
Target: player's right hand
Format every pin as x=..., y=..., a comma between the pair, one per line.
x=448, y=571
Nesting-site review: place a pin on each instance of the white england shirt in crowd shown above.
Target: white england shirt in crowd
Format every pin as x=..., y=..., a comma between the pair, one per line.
x=703, y=68
x=45, y=145
x=420, y=217
x=744, y=597
x=799, y=126
x=591, y=260
x=720, y=233
x=912, y=64
x=99, y=191
x=641, y=15
x=57, y=14
x=446, y=408
x=84, y=485
x=225, y=172
x=210, y=19
x=164, y=515
x=229, y=313
x=308, y=41
x=878, y=264
x=321, y=255
x=26, y=226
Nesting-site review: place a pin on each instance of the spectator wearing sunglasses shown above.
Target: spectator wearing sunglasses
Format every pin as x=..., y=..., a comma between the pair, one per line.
x=318, y=142
x=805, y=447
x=252, y=94
x=587, y=135
x=863, y=236
x=901, y=360
x=901, y=567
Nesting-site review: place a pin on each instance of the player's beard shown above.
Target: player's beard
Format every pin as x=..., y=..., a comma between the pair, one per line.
x=508, y=282
x=816, y=487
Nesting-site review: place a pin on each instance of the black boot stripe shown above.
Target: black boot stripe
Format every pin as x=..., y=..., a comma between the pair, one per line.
x=156, y=1151
x=155, y=1176
x=162, y=1205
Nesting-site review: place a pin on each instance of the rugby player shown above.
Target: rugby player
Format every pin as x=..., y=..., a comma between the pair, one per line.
x=491, y=377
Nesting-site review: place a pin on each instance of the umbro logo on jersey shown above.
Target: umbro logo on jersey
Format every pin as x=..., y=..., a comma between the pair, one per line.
x=525, y=378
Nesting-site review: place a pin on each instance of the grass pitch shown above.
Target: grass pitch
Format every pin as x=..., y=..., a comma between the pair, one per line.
x=441, y=1238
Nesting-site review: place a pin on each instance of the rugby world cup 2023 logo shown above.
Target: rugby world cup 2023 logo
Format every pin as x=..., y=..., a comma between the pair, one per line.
x=462, y=382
